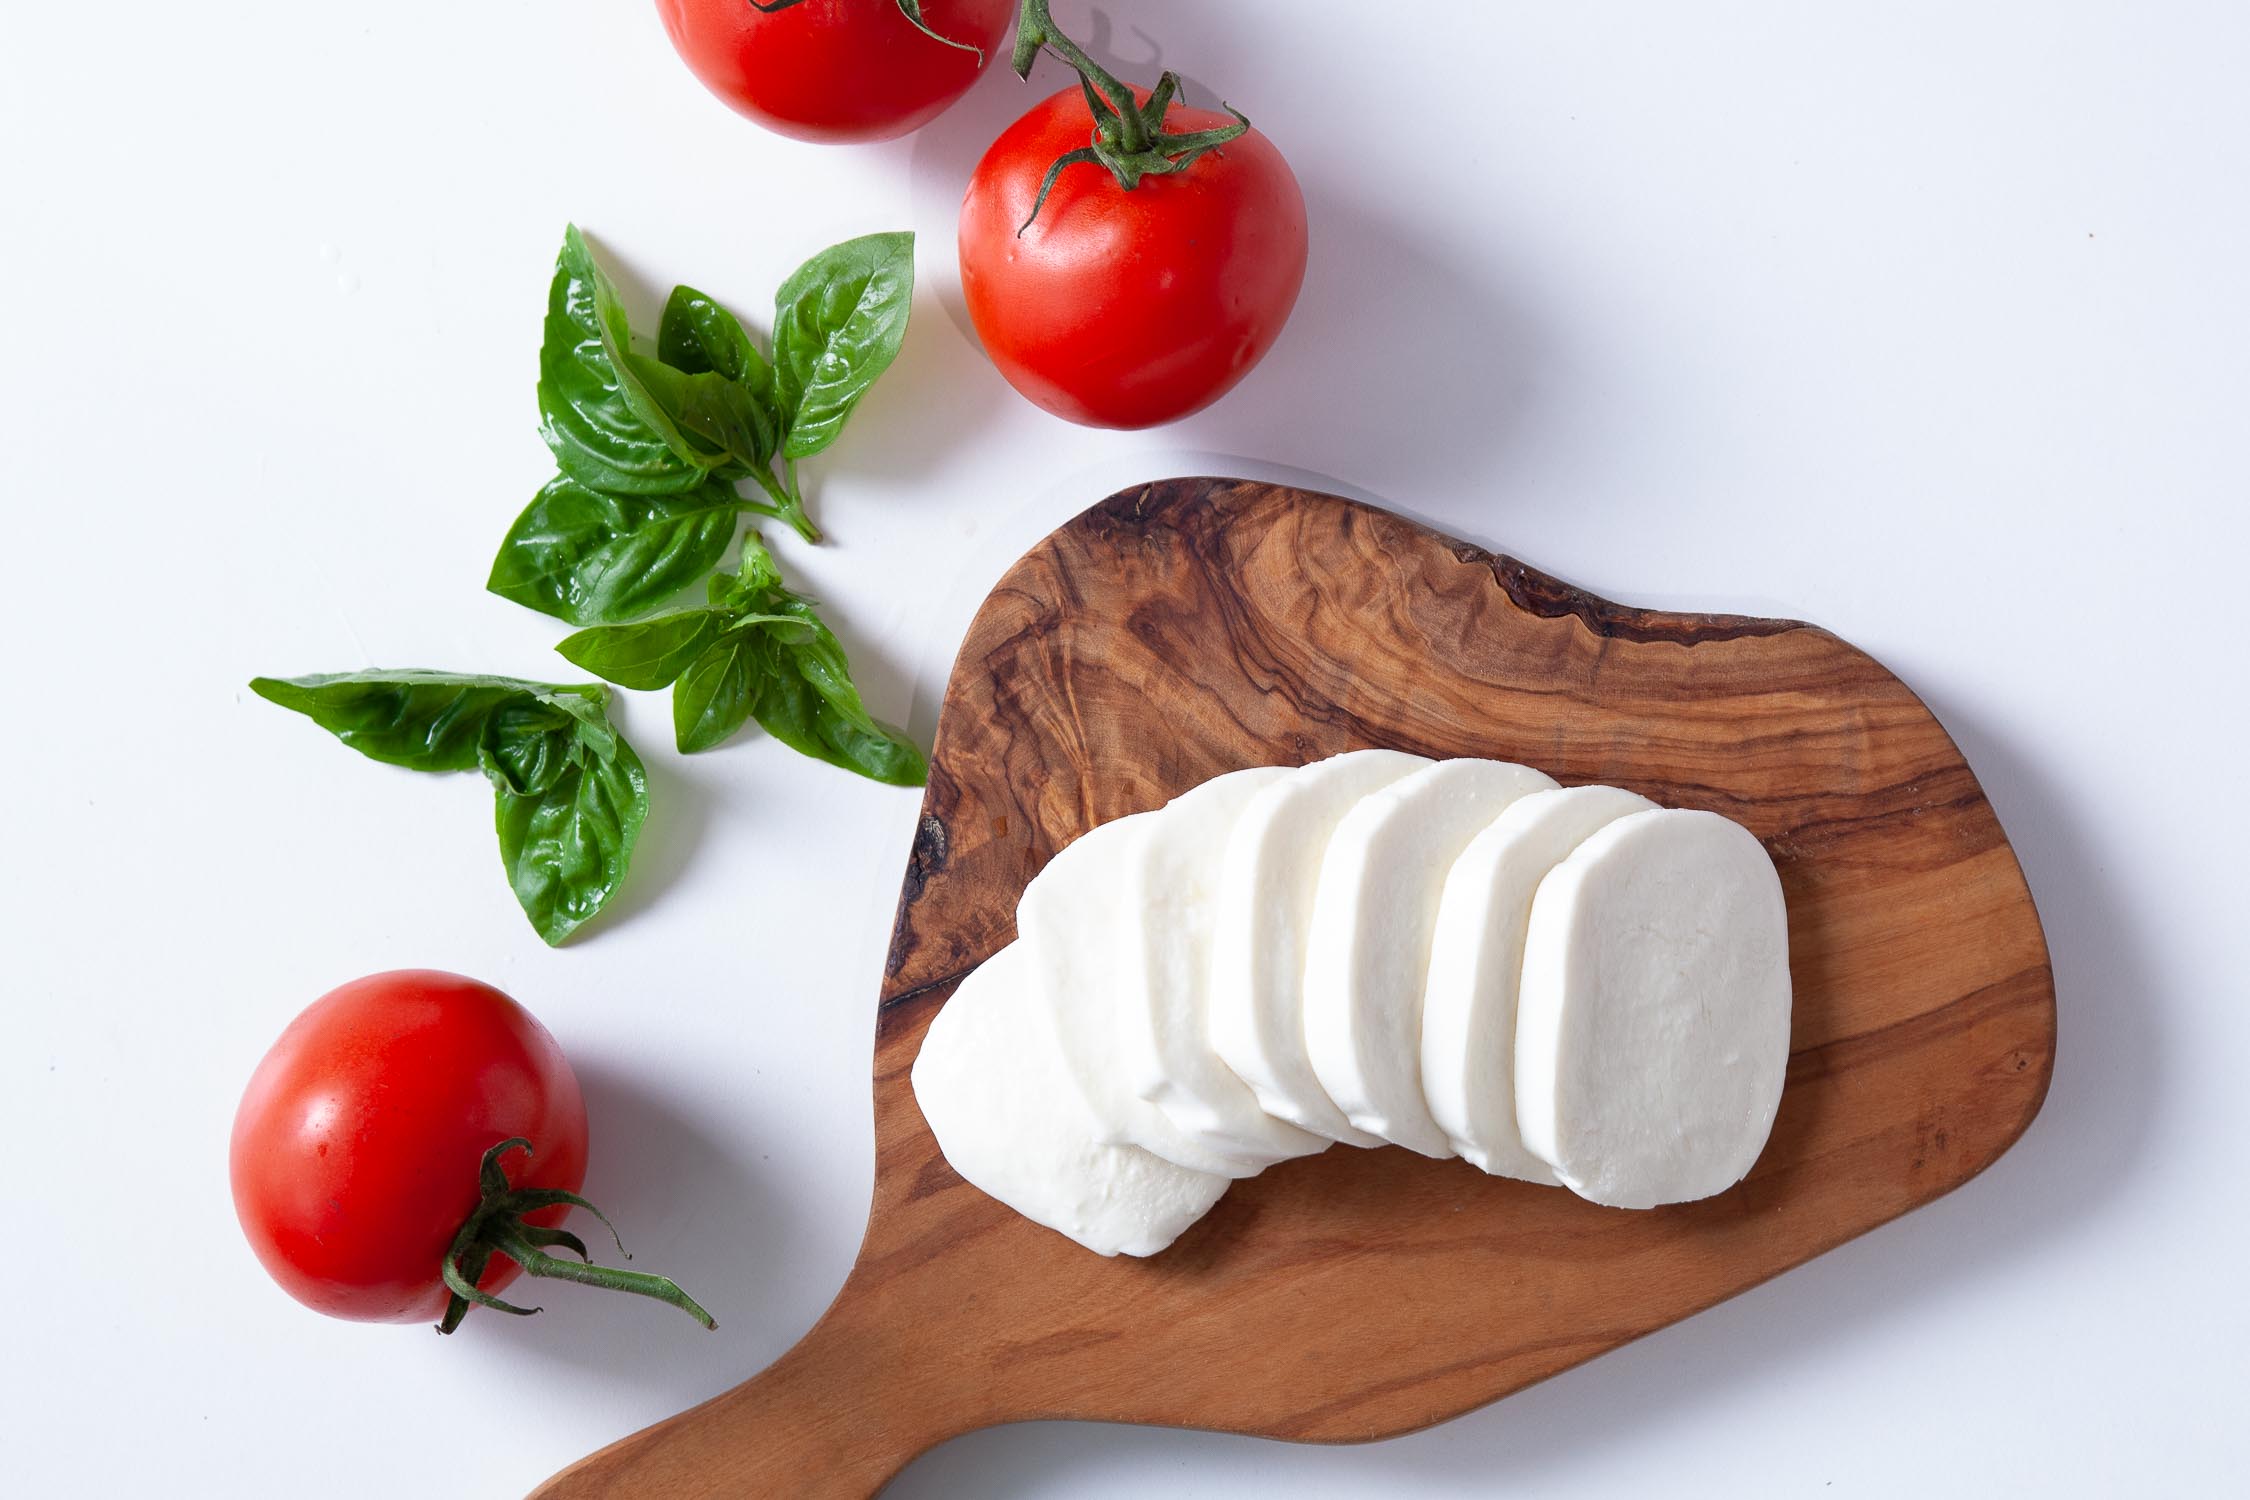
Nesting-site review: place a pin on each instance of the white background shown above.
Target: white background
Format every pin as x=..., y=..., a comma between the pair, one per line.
x=1927, y=322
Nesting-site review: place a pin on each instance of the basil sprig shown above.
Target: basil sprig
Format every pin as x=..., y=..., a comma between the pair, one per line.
x=571, y=794
x=650, y=448
x=704, y=411
x=756, y=650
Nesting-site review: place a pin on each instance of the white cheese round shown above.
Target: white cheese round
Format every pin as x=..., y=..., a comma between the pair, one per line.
x=1010, y=1120
x=1076, y=924
x=1476, y=958
x=1369, y=947
x=1652, y=1025
x=1164, y=1039
x=1265, y=904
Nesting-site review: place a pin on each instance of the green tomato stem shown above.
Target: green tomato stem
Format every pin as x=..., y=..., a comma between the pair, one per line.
x=1128, y=137
x=911, y=9
x=497, y=1227
x=1035, y=28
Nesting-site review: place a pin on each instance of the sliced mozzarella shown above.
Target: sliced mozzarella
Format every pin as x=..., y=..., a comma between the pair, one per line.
x=1369, y=948
x=1652, y=1025
x=1476, y=957
x=1075, y=924
x=1258, y=943
x=1164, y=1039
x=1010, y=1120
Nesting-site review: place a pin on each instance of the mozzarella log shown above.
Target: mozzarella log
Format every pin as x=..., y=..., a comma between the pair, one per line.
x=1567, y=986
x=1652, y=1025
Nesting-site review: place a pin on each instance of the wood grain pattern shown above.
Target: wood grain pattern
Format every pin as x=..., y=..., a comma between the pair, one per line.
x=1196, y=626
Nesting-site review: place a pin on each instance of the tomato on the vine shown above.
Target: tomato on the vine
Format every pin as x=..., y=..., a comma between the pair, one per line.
x=370, y=1153
x=1122, y=306
x=837, y=70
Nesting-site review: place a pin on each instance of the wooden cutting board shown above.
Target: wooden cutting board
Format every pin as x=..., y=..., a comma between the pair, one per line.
x=1200, y=625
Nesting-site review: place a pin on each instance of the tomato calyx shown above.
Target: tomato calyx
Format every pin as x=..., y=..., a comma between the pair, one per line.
x=497, y=1227
x=911, y=9
x=1129, y=135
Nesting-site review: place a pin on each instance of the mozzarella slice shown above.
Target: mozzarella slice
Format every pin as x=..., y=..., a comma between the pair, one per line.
x=1652, y=1025
x=1010, y=1120
x=1265, y=904
x=1476, y=957
x=1369, y=947
x=1076, y=925
x=1164, y=1041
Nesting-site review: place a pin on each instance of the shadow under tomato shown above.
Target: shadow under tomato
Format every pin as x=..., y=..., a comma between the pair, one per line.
x=1400, y=365
x=688, y=1208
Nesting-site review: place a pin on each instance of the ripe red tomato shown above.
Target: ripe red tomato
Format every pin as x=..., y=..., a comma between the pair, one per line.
x=836, y=70
x=1121, y=308
x=357, y=1143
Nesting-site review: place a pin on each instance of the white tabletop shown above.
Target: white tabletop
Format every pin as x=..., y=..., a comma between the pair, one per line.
x=1928, y=323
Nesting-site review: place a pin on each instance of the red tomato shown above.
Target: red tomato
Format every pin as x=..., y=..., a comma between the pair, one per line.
x=356, y=1145
x=1121, y=308
x=836, y=70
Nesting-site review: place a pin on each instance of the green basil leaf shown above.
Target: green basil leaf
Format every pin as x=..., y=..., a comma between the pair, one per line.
x=793, y=712
x=568, y=846
x=810, y=703
x=716, y=694
x=648, y=655
x=528, y=745
x=819, y=658
x=838, y=322
x=591, y=558
x=592, y=713
x=697, y=334
x=730, y=424
x=604, y=428
x=425, y=721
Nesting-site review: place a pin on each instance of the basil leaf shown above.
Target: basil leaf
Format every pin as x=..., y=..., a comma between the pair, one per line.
x=838, y=322
x=605, y=430
x=425, y=721
x=648, y=655
x=589, y=705
x=567, y=846
x=571, y=794
x=697, y=334
x=792, y=710
x=726, y=421
x=589, y=558
x=819, y=657
x=527, y=745
x=715, y=695
x=634, y=373
x=810, y=704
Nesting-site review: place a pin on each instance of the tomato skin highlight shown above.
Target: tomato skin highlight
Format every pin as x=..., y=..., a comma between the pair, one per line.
x=355, y=1148
x=836, y=70
x=1121, y=308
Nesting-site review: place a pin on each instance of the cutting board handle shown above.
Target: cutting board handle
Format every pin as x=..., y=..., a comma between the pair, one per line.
x=833, y=1419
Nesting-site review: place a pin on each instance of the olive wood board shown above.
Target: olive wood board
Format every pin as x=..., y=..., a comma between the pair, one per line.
x=1196, y=626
